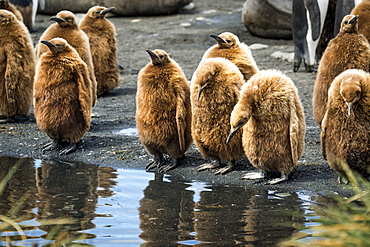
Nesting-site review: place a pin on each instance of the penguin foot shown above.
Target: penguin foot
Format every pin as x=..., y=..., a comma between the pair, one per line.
x=283, y=177
x=68, y=149
x=208, y=166
x=342, y=178
x=51, y=146
x=157, y=162
x=296, y=66
x=255, y=175
x=226, y=169
x=311, y=68
x=7, y=119
x=166, y=168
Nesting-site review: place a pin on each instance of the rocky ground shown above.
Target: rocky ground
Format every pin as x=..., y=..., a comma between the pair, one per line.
x=186, y=37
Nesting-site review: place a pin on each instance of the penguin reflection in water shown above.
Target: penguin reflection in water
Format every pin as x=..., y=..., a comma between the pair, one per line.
x=345, y=136
x=274, y=125
x=163, y=114
x=63, y=96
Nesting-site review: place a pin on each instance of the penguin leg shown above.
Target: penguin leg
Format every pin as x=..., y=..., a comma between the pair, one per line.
x=282, y=178
x=255, y=175
x=55, y=144
x=71, y=147
x=213, y=164
x=342, y=178
x=7, y=119
x=228, y=168
x=175, y=163
x=157, y=162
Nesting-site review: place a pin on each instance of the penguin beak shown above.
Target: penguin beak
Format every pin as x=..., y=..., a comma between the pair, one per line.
x=107, y=10
x=349, y=108
x=154, y=57
x=218, y=39
x=353, y=19
x=54, y=18
x=232, y=133
x=50, y=45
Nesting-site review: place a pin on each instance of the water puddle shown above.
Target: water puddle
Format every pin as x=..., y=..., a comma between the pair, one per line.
x=104, y=206
x=129, y=131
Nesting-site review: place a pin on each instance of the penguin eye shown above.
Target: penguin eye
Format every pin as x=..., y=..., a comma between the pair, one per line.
x=228, y=41
x=97, y=12
x=208, y=80
x=161, y=56
x=345, y=22
x=68, y=19
x=59, y=45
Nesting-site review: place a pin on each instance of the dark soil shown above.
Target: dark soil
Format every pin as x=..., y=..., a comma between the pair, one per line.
x=186, y=37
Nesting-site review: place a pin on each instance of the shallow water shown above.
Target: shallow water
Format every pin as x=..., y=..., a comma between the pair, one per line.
x=104, y=206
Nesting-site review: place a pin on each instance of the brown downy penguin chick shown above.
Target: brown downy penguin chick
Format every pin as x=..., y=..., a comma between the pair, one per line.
x=67, y=28
x=214, y=91
x=348, y=50
x=363, y=11
x=274, y=124
x=163, y=113
x=6, y=5
x=101, y=33
x=63, y=97
x=17, y=66
x=345, y=136
x=228, y=46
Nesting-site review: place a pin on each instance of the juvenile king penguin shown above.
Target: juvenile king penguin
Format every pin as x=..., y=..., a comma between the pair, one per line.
x=163, y=113
x=228, y=46
x=345, y=136
x=363, y=11
x=101, y=33
x=67, y=28
x=348, y=50
x=6, y=5
x=63, y=97
x=17, y=66
x=270, y=110
x=214, y=91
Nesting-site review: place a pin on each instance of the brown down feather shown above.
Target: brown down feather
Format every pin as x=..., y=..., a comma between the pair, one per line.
x=17, y=66
x=101, y=33
x=63, y=97
x=348, y=50
x=274, y=124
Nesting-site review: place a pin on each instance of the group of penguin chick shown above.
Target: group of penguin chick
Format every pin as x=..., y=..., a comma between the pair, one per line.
x=64, y=74
x=232, y=109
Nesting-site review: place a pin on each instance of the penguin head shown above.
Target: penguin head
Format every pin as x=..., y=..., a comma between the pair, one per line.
x=6, y=17
x=349, y=24
x=64, y=18
x=158, y=57
x=4, y=4
x=226, y=40
x=350, y=87
x=56, y=45
x=99, y=12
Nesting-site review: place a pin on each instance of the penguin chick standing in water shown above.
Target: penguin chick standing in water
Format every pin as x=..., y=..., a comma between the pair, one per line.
x=214, y=91
x=6, y=5
x=348, y=50
x=345, y=136
x=101, y=33
x=228, y=46
x=163, y=114
x=67, y=28
x=17, y=66
x=63, y=97
x=270, y=110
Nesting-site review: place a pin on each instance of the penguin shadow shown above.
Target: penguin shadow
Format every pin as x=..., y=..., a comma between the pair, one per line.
x=118, y=91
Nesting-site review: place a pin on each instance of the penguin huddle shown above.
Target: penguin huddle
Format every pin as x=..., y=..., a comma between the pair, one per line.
x=227, y=92
x=58, y=74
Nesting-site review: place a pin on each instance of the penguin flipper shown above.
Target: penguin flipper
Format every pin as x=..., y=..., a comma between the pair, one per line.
x=85, y=91
x=181, y=120
x=293, y=131
x=323, y=135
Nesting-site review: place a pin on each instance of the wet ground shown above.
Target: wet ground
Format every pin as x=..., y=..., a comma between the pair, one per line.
x=112, y=140
x=91, y=205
